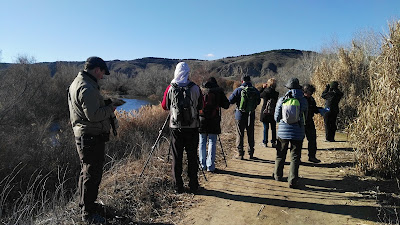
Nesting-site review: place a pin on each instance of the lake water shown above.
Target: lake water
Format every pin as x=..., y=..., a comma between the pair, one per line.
x=132, y=104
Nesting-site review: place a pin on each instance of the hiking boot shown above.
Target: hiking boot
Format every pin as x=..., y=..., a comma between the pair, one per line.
x=293, y=185
x=93, y=219
x=179, y=190
x=277, y=178
x=213, y=171
x=314, y=160
x=263, y=144
x=239, y=157
x=252, y=157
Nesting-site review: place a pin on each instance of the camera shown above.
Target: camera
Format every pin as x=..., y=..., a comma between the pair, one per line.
x=108, y=101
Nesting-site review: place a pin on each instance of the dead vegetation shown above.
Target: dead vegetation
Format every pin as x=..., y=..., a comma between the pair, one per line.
x=376, y=131
x=30, y=102
x=370, y=80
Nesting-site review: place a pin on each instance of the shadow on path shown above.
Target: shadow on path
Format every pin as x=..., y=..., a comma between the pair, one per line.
x=336, y=149
x=329, y=165
x=239, y=174
x=361, y=212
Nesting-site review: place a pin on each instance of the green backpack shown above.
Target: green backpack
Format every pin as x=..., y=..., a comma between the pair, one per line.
x=248, y=99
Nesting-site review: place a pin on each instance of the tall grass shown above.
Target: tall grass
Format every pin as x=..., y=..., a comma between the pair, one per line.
x=369, y=109
x=376, y=132
x=350, y=68
x=38, y=172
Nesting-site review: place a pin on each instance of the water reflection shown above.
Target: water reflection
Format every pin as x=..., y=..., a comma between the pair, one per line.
x=132, y=104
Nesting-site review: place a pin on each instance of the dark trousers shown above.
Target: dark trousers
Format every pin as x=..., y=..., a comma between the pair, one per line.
x=330, y=125
x=184, y=139
x=311, y=135
x=91, y=154
x=295, y=152
x=242, y=125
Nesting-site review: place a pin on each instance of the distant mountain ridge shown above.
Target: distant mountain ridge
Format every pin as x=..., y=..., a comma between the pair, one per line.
x=257, y=64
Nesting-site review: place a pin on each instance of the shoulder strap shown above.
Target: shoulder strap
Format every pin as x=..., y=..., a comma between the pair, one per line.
x=191, y=84
x=174, y=85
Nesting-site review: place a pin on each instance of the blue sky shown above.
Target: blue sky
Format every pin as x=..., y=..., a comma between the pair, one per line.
x=72, y=30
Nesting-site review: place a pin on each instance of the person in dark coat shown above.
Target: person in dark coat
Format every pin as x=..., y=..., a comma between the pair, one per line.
x=311, y=132
x=332, y=95
x=268, y=93
x=210, y=118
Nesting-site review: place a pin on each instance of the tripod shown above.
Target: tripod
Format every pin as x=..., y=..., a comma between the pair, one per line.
x=222, y=150
x=154, y=146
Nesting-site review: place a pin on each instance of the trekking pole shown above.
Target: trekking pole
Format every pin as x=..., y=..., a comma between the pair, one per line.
x=154, y=146
x=202, y=171
x=222, y=149
x=169, y=151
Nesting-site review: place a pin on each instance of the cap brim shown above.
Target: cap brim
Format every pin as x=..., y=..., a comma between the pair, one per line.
x=294, y=87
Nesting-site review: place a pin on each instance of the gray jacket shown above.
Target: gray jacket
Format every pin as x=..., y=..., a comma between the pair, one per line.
x=196, y=100
x=88, y=112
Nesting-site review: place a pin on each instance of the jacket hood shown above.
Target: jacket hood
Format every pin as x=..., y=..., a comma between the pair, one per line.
x=296, y=93
x=181, y=73
x=210, y=84
x=205, y=90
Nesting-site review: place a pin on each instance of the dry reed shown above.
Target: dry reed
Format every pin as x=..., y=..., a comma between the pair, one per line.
x=376, y=132
x=350, y=68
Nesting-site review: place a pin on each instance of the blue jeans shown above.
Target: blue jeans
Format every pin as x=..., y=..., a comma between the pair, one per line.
x=271, y=124
x=209, y=160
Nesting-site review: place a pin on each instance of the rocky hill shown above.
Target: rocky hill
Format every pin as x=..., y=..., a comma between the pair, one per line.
x=258, y=64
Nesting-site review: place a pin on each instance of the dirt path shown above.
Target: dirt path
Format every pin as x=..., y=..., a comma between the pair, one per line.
x=245, y=193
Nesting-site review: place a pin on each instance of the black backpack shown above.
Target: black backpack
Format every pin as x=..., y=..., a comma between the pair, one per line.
x=181, y=111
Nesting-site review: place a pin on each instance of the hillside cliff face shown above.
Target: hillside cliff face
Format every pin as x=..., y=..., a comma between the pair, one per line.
x=258, y=64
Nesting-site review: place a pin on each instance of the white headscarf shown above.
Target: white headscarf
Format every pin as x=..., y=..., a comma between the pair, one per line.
x=181, y=73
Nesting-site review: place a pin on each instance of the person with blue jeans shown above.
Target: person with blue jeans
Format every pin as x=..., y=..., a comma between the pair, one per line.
x=214, y=99
x=269, y=96
x=207, y=158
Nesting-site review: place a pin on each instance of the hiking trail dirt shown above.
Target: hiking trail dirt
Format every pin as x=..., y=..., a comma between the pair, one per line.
x=245, y=193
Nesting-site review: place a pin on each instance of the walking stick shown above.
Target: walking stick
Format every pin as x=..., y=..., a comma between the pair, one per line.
x=202, y=171
x=154, y=146
x=169, y=151
x=222, y=149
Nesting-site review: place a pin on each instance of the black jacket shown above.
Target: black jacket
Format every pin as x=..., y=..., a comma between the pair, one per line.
x=266, y=94
x=332, y=97
x=212, y=126
x=312, y=109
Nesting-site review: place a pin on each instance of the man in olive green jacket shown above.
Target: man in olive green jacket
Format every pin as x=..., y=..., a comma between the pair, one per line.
x=90, y=118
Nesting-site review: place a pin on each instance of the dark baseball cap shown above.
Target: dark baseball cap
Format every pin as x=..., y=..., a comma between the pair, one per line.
x=94, y=61
x=245, y=78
